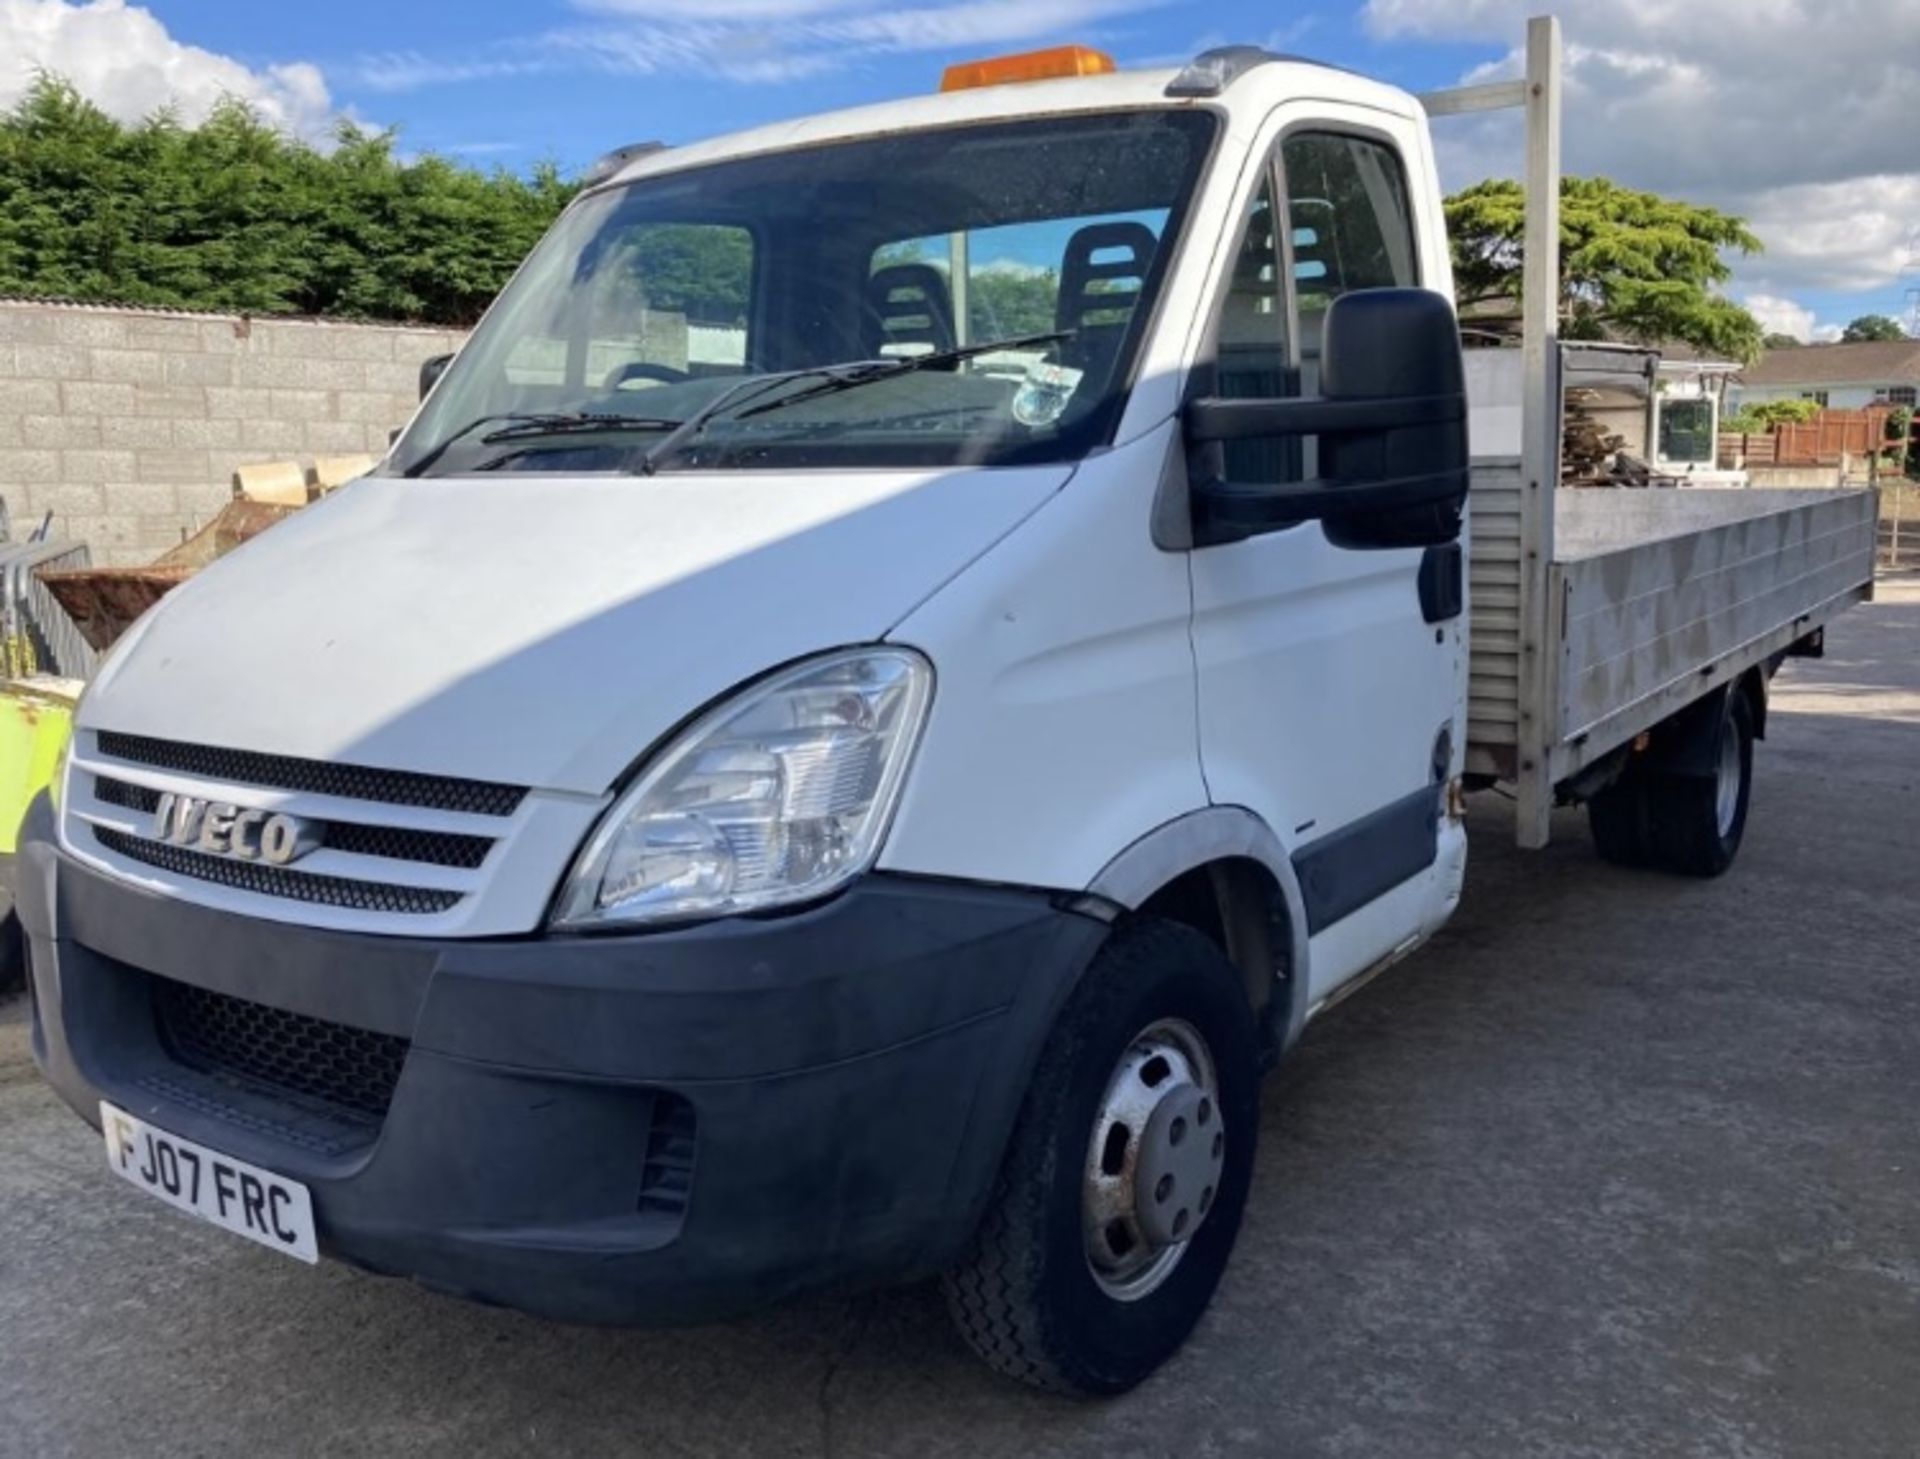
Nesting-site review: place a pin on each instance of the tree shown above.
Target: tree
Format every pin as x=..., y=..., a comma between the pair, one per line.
x=1632, y=264
x=1774, y=341
x=234, y=215
x=1872, y=327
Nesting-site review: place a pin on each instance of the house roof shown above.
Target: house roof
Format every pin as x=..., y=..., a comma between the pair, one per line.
x=1875, y=362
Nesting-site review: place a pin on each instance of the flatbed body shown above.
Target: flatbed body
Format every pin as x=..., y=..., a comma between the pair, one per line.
x=1651, y=596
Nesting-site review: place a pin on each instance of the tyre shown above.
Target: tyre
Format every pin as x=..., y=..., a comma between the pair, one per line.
x=1697, y=821
x=1123, y=1185
x=1690, y=824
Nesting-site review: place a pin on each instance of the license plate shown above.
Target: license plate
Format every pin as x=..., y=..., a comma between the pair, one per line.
x=232, y=1194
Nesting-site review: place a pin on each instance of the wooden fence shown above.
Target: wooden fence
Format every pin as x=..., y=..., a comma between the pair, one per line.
x=1821, y=441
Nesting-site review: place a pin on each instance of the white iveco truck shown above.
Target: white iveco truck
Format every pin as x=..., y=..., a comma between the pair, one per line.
x=906, y=659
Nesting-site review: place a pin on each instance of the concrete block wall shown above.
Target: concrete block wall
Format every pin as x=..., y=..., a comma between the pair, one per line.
x=128, y=424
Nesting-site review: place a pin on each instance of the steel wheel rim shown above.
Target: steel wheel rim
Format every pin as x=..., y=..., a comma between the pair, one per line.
x=1165, y=1076
x=1727, y=783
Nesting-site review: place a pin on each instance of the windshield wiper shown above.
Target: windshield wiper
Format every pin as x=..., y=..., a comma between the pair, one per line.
x=836, y=377
x=866, y=372
x=752, y=387
x=572, y=425
x=539, y=424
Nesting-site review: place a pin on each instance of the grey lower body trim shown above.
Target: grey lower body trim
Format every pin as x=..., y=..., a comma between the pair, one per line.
x=1346, y=869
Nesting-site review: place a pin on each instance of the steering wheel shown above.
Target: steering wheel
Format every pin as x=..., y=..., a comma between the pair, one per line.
x=642, y=370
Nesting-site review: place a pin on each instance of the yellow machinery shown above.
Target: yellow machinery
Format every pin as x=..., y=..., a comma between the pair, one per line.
x=36, y=716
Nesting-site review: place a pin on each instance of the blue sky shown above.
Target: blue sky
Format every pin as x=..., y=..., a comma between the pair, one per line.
x=1689, y=98
x=443, y=74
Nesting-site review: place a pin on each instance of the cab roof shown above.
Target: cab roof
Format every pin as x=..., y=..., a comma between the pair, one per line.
x=1253, y=93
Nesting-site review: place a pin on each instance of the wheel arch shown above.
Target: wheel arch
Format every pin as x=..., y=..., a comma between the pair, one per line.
x=1222, y=871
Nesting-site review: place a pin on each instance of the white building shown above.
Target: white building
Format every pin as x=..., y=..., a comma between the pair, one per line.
x=1840, y=376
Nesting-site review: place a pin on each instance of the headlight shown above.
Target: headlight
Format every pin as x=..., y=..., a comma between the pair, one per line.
x=781, y=794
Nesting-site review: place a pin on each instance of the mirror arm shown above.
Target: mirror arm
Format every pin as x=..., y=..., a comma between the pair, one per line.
x=1227, y=511
x=1217, y=419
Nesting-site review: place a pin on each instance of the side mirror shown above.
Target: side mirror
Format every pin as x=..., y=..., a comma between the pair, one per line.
x=1392, y=423
x=430, y=372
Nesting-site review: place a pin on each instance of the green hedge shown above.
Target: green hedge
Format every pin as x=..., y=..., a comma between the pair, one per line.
x=234, y=215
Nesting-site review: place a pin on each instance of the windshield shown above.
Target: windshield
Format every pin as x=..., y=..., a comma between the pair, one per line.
x=1686, y=431
x=652, y=301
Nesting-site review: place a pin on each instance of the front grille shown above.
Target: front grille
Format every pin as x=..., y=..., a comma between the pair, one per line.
x=394, y=843
x=397, y=843
x=279, y=881
x=218, y=1034
x=126, y=794
x=316, y=777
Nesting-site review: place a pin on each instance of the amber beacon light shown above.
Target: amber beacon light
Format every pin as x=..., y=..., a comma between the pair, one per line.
x=1027, y=66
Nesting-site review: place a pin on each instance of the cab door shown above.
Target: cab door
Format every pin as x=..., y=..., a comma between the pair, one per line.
x=1331, y=680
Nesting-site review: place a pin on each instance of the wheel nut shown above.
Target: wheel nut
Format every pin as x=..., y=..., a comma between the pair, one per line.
x=1164, y=1189
x=1176, y=1132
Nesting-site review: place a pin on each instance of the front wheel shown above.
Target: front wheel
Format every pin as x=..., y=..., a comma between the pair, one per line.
x=1121, y=1193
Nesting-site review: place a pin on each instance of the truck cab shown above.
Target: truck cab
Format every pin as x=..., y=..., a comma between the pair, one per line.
x=908, y=655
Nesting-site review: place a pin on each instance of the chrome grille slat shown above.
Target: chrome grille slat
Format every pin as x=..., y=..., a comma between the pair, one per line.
x=391, y=843
x=278, y=881
x=316, y=777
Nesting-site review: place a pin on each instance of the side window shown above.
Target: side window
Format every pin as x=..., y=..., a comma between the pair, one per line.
x=1352, y=227
x=1252, y=359
x=661, y=300
x=1348, y=226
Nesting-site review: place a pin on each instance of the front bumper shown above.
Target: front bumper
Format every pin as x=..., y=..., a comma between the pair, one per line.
x=653, y=1128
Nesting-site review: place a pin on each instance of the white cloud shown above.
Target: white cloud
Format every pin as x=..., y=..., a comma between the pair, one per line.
x=1796, y=114
x=715, y=10
x=410, y=70
x=754, y=41
x=122, y=59
x=1852, y=235
x=483, y=149
x=1781, y=316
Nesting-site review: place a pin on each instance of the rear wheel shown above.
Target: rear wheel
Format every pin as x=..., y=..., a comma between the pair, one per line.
x=1698, y=820
x=1691, y=824
x=1123, y=1186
